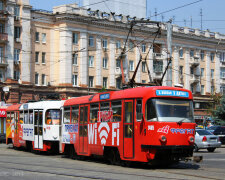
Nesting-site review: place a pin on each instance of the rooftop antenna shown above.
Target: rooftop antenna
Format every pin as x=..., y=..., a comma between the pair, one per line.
x=173, y=19
x=156, y=14
x=201, y=14
x=191, y=21
x=162, y=18
x=185, y=22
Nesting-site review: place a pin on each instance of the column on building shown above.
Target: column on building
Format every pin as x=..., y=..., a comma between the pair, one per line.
x=175, y=65
x=207, y=73
x=83, y=60
x=112, y=65
x=65, y=60
x=98, y=62
x=165, y=62
x=53, y=59
x=26, y=46
x=137, y=59
x=10, y=45
x=197, y=71
x=187, y=73
x=217, y=73
x=150, y=63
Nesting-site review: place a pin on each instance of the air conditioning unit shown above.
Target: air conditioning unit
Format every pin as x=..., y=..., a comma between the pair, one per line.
x=75, y=48
x=118, y=70
x=19, y=81
x=17, y=18
x=18, y=40
x=75, y=69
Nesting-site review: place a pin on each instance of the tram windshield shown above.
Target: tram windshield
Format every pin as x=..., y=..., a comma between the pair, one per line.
x=52, y=117
x=169, y=110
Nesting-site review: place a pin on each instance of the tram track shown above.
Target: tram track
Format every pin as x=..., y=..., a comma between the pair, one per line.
x=88, y=171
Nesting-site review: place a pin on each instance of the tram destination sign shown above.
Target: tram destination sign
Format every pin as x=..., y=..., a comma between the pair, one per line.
x=104, y=96
x=172, y=93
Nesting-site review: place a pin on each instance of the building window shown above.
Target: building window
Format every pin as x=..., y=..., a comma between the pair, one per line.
x=181, y=53
x=43, y=38
x=74, y=59
x=104, y=43
x=36, y=79
x=43, y=79
x=222, y=73
x=143, y=81
x=91, y=81
x=212, y=73
x=158, y=66
x=192, y=88
x=118, y=83
x=2, y=28
x=131, y=65
x=202, y=72
x=191, y=53
x=1, y=55
x=91, y=41
x=202, y=55
x=37, y=38
x=105, y=63
x=16, y=75
x=1, y=5
x=105, y=79
x=212, y=55
x=118, y=44
x=222, y=57
x=131, y=46
x=143, y=48
x=143, y=67
x=191, y=70
x=118, y=64
x=36, y=57
x=202, y=89
x=16, y=55
x=43, y=57
x=181, y=70
x=17, y=11
x=75, y=80
x=91, y=61
x=17, y=33
x=75, y=38
x=212, y=89
x=1, y=76
x=222, y=90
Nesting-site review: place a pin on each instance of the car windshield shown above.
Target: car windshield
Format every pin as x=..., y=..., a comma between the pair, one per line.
x=203, y=132
x=52, y=117
x=169, y=110
x=212, y=127
x=220, y=129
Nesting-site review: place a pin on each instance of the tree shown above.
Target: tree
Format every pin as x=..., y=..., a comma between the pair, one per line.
x=219, y=112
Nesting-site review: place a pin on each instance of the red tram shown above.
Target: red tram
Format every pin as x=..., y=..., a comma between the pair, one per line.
x=144, y=124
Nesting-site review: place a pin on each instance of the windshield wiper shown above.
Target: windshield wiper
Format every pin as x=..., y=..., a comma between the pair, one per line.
x=180, y=122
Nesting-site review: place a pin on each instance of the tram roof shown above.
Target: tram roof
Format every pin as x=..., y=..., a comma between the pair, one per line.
x=42, y=105
x=13, y=107
x=139, y=92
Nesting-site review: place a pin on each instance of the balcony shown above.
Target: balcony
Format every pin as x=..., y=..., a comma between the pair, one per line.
x=157, y=56
x=3, y=38
x=4, y=15
x=222, y=81
x=157, y=76
x=194, y=61
x=3, y=62
x=118, y=72
x=222, y=63
x=194, y=78
x=75, y=69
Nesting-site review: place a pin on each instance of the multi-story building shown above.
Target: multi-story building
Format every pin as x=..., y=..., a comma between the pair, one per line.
x=73, y=51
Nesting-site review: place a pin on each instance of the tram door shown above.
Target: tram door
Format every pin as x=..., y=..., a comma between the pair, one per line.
x=128, y=129
x=38, y=129
x=16, y=131
x=83, y=133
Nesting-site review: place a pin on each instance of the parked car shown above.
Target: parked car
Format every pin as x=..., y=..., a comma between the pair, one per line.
x=220, y=131
x=212, y=128
x=206, y=140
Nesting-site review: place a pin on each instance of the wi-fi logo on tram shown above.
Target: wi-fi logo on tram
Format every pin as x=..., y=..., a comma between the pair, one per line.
x=103, y=130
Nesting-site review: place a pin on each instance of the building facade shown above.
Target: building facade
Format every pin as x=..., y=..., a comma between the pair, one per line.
x=74, y=51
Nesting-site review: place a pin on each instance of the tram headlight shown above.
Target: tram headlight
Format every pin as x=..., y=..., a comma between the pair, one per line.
x=191, y=139
x=162, y=138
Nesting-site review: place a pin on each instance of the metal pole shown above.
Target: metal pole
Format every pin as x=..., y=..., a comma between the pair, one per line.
x=169, y=56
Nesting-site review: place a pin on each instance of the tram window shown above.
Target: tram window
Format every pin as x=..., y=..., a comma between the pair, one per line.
x=128, y=131
x=75, y=114
x=85, y=114
x=21, y=117
x=94, y=113
x=8, y=117
x=139, y=110
x=12, y=117
x=16, y=120
x=52, y=117
x=30, y=116
x=66, y=115
x=35, y=117
x=26, y=117
x=40, y=118
x=104, y=107
x=150, y=112
x=116, y=108
x=128, y=112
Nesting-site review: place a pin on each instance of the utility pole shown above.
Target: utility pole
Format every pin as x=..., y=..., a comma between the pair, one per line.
x=201, y=14
x=169, y=48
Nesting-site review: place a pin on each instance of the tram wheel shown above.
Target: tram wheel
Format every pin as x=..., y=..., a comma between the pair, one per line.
x=114, y=157
x=72, y=153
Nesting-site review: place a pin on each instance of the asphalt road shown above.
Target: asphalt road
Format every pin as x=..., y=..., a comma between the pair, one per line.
x=17, y=164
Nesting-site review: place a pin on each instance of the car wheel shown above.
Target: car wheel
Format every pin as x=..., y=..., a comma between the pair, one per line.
x=195, y=148
x=211, y=149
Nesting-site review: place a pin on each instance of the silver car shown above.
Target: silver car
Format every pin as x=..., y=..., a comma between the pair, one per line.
x=206, y=140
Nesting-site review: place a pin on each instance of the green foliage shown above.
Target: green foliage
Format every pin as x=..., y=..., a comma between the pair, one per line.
x=219, y=112
x=103, y=90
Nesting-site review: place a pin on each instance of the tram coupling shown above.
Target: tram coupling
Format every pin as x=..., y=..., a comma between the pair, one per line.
x=196, y=159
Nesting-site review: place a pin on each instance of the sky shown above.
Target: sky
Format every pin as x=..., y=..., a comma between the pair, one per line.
x=213, y=13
